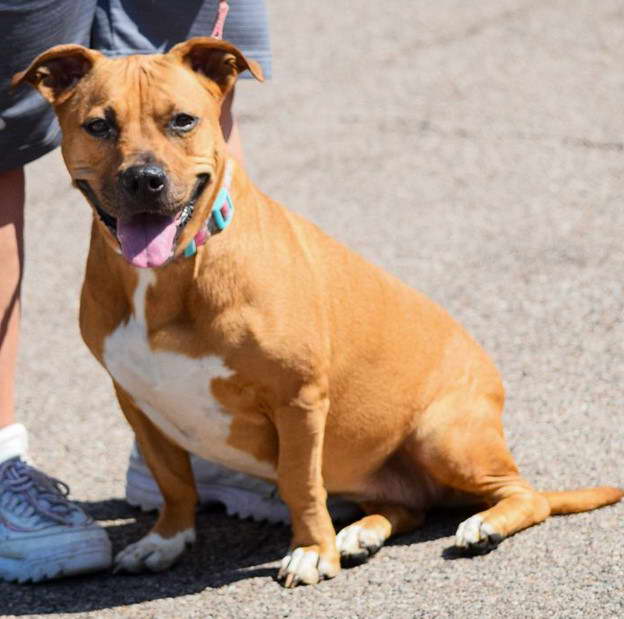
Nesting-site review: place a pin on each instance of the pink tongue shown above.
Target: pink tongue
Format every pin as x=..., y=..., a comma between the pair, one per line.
x=146, y=240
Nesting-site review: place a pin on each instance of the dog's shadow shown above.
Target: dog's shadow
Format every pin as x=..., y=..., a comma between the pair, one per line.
x=227, y=550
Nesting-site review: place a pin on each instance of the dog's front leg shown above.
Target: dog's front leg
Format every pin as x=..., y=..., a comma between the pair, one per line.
x=171, y=468
x=301, y=428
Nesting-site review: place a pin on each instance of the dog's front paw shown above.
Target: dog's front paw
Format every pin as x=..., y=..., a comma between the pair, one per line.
x=308, y=565
x=153, y=552
x=476, y=536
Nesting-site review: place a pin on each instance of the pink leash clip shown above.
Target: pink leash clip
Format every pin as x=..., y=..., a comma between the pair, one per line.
x=222, y=11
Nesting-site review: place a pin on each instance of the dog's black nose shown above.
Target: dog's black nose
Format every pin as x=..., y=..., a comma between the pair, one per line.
x=144, y=181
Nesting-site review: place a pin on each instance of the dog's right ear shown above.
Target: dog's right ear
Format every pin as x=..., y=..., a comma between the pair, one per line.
x=218, y=60
x=56, y=71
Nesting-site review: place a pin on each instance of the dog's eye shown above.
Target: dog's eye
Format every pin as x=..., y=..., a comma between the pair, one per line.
x=183, y=122
x=98, y=128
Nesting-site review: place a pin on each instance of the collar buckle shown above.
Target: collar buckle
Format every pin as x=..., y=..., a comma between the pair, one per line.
x=222, y=210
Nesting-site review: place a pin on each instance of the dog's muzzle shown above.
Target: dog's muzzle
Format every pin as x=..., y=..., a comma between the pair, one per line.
x=146, y=238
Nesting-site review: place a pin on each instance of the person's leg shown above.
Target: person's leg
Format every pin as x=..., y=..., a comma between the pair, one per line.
x=34, y=545
x=11, y=259
x=42, y=534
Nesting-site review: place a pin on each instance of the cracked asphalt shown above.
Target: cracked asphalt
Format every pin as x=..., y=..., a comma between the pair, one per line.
x=474, y=149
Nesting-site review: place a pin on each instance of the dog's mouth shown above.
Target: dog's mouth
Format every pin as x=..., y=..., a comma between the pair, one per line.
x=146, y=239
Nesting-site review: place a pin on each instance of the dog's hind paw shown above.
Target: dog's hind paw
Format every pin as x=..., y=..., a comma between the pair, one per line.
x=357, y=543
x=306, y=565
x=153, y=552
x=475, y=536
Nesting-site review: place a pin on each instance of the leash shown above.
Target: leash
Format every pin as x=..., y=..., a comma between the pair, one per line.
x=222, y=209
x=221, y=213
x=222, y=11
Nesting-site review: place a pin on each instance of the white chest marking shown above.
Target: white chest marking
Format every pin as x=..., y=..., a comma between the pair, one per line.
x=174, y=391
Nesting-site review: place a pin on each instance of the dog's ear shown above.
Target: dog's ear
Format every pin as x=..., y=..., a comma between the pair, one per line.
x=56, y=71
x=216, y=59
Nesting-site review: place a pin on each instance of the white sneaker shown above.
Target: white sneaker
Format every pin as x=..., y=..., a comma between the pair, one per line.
x=43, y=535
x=242, y=495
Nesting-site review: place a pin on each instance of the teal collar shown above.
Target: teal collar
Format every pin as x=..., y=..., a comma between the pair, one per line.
x=221, y=213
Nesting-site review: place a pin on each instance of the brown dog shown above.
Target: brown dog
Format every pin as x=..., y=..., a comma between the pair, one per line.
x=262, y=343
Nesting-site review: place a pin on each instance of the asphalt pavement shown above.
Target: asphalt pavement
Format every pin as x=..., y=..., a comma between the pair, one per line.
x=476, y=150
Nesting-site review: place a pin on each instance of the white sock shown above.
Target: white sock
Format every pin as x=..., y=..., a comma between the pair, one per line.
x=13, y=441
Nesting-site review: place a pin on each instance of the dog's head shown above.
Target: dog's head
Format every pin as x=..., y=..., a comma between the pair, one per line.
x=141, y=136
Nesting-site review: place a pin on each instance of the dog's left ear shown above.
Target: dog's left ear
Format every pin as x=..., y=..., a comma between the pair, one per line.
x=218, y=60
x=55, y=72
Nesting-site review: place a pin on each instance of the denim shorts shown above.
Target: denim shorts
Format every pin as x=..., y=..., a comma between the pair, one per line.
x=28, y=127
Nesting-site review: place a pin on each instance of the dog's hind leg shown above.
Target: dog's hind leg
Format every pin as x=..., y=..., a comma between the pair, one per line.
x=171, y=468
x=362, y=539
x=460, y=444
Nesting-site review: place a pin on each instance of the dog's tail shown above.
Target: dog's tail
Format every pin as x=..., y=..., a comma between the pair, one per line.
x=582, y=500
